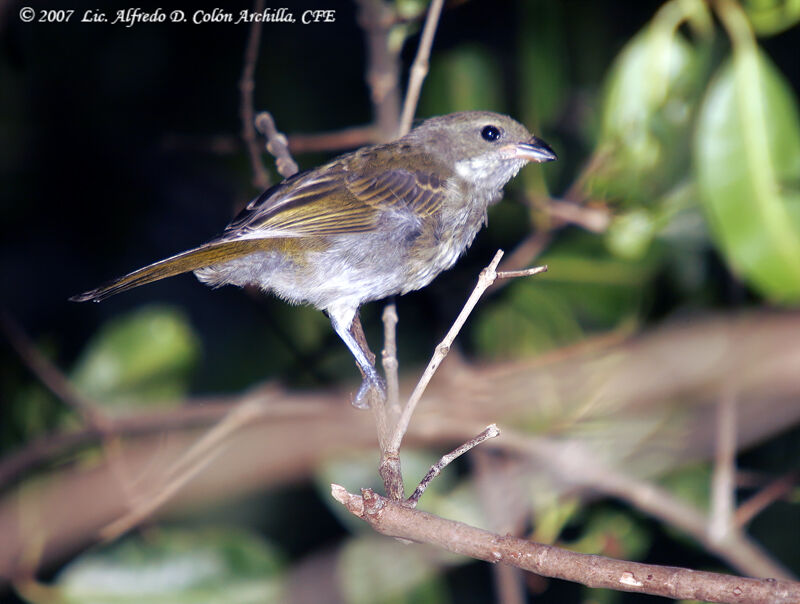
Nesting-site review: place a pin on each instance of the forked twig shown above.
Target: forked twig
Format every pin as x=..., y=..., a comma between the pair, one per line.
x=487, y=277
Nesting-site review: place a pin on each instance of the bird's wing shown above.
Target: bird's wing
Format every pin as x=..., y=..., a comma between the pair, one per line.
x=335, y=200
x=325, y=201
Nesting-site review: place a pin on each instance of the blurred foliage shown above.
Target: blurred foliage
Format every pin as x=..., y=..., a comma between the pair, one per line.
x=678, y=117
x=172, y=565
x=146, y=357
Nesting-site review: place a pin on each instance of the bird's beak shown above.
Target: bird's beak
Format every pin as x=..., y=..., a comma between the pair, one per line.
x=535, y=150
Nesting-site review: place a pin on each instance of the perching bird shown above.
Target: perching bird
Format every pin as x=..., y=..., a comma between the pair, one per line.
x=382, y=220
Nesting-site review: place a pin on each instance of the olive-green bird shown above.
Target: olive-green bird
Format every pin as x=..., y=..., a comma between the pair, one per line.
x=382, y=220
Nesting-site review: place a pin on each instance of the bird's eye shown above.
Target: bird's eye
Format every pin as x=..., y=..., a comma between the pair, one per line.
x=491, y=133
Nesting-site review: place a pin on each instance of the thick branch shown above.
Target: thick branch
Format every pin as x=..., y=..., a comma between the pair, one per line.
x=397, y=520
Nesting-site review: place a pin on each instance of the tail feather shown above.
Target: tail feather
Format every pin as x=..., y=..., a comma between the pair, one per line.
x=205, y=255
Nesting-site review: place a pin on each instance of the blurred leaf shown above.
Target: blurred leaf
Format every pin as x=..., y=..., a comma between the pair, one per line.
x=691, y=483
x=375, y=570
x=552, y=517
x=462, y=79
x=143, y=357
x=630, y=234
x=770, y=17
x=650, y=94
x=176, y=565
x=747, y=150
x=613, y=533
x=584, y=287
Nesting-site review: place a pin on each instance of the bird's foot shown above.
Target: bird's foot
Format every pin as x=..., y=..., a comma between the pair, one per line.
x=372, y=386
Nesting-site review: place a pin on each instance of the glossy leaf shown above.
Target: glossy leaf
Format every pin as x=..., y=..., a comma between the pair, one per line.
x=647, y=113
x=747, y=151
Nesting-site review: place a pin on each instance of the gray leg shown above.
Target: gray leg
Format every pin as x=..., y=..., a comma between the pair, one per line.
x=372, y=380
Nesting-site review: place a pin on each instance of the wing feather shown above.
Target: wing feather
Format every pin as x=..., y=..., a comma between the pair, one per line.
x=335, y=200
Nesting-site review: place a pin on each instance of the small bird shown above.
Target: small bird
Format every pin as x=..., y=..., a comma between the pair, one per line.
x=382, y=220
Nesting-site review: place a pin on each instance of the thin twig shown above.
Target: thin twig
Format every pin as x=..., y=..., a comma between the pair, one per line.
x=491, y=431
x=390, y=363
x=189, y=465
x=769, y=494
x=395, y=519
x=528, y=272
x=486, y=278
x=51, y=376
x=419, y=70
x=348, y=138
x=525, y=253
x=723, y=480
x=277, y=144
x=594, y=219
x=261, y=178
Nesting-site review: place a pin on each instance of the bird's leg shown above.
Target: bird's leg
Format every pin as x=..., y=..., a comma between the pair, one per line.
x=352, y=335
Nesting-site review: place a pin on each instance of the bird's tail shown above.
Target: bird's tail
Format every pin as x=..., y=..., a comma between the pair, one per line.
x=205, y=255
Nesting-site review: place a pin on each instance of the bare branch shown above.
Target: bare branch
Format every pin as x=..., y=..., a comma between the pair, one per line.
x=348, y=138
x=390, y=363
x=594, y=219
x=189, y=465
x=419, y=69
x=491, y=432
x=261, y=178
x=766, y=496
x=528, y=272
x=486, y=278
x=529, y=249
x=398, y=520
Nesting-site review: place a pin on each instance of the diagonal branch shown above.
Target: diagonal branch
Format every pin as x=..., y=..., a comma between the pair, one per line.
x=398, y=520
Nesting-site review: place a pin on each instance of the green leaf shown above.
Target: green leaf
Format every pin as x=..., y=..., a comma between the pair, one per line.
x=747, y=151
x=585, y=287
x=630, y=234
x=650, y=96
x=140, y=357
x=176, y=566
x=770, y=17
